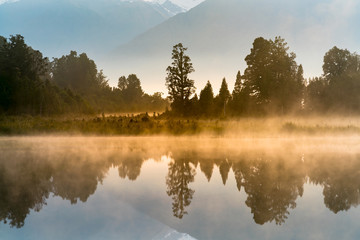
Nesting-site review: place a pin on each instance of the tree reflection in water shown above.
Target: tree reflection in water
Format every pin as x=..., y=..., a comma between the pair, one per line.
x=272, y=181
x=341, y=182
x=272, y=189
x=22, y=187
x=180, y=174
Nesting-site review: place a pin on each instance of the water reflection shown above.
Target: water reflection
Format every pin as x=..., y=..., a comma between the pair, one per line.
x=273, y=180
x=272, y=187
x=181, y=173
x=341, y=182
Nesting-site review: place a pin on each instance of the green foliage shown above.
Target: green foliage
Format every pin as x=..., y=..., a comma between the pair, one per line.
x=206, y=101
x=238, y=98
x=272, y=83
x=338, y=89
x=30, y=84
x=77, y=73
x=177, y=81
x=272, y=78
x=222, y=99
x=25, y=86
x=130, y=89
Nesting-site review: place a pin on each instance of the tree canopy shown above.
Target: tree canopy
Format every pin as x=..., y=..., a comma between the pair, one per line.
x=179, y=85
x=273, y=78
x=78, y=73
x=338, y=89
x=272, y=83
x=206, y=100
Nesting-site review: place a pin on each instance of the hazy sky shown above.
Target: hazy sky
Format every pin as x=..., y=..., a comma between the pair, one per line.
x=187, y=4
x=4, y=1
x=310, y=27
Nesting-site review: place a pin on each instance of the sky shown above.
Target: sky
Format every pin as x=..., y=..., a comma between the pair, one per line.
x=310, y=27
x=4, y=1
x=186, y=4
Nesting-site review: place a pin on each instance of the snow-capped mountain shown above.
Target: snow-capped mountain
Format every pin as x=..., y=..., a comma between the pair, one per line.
x=185, y=4
x=219, y=35
x=57, y=26
x=172, y=8
x=170, y=234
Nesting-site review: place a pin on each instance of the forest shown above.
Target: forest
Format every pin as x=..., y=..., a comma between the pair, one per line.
x=272, y=83
x=31, y=84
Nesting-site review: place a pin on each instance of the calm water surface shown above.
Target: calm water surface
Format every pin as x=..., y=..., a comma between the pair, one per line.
x=179, y=188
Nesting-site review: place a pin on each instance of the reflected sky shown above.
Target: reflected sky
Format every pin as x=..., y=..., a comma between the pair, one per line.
x=179, y=188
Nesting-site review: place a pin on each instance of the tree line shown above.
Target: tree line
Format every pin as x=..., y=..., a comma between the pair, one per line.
x=31, y=84
x=272, y=83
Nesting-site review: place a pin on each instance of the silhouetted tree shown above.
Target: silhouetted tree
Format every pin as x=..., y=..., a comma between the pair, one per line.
x=222, y=99
x=316, y=94
x=25, y=82
x=177, y=81
x=194, y=108
x=130, y=89
x=206, y=101
x=78, y=73
x=239, y=97
x=338, y=62
x=272, y=76
x=342, y=72
x=338, y=88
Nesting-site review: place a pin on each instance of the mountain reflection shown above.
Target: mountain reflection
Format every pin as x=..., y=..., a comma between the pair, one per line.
x=272, y=181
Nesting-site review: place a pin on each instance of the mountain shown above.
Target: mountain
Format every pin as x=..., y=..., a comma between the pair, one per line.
x=57, y=26
x=172, y=8
x=219, y=35
x=184, y=4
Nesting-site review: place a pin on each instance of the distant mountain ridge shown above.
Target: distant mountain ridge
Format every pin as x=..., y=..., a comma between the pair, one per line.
x=184, y=4
x=219, y=35
x=57, y=26
x=172, y=8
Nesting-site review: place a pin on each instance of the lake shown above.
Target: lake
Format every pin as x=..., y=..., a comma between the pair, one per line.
x=179, y=188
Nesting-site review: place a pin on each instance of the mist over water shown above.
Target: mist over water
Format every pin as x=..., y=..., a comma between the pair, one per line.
x=199, y=187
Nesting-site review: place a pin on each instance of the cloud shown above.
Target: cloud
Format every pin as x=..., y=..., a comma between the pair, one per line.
x=340, y=9
x=7, y=1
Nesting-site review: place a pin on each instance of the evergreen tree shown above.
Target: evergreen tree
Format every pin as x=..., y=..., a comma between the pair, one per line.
x=238, y=85
x=223, y=98
x=177, y=81
x=237, y=101
x=206, y=100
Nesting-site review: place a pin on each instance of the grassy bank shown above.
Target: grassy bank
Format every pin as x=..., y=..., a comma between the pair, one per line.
x=143, y=124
